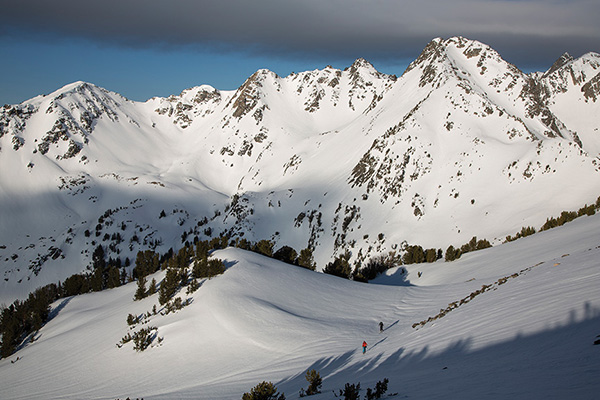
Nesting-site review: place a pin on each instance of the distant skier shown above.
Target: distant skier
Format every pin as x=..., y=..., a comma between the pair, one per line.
x=364, y=347
x=381, y=327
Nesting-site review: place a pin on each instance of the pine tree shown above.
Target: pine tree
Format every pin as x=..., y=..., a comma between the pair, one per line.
x=202, y=249
x=169, y=286
x=263, y=391
x=377, y=265
x=140, y=293
x=200, y=268
x=264, y=247
x=340, y=266
x=286, y=254
x=193, y=286
x=98, y=257
x=430, y=255
x=113, y=277
x=306, y=259
x=314, y=383
x=182, y=258
x=9, y=327
x=350, y=392
x=146, y=263
x=452, y=253
x=205, y=268
x=152, y=289
x=413, y=255
x=96, y=280
x=123, y=276
x=215, y=267
x=243, y=244
x=380, y=388
x=75, y=284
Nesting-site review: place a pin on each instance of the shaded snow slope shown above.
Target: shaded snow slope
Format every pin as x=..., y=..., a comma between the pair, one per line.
x=530, y=336
x=463, y=144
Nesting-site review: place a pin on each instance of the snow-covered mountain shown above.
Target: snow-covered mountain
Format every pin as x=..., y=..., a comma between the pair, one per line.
x=463, y=144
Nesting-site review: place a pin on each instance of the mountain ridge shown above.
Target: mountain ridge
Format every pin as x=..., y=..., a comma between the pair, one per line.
x=334, y=160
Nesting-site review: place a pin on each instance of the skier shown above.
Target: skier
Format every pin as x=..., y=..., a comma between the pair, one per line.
x=364, y=347
x=381, y=327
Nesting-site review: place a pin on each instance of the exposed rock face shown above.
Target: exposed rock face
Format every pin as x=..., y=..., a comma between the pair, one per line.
x=559, y=63
x=591, y=90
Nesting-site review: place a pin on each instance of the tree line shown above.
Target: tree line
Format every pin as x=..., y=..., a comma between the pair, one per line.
x=22, y=318
x=268, y=391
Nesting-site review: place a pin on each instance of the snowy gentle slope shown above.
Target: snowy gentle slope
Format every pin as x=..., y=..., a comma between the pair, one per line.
x=529, y=337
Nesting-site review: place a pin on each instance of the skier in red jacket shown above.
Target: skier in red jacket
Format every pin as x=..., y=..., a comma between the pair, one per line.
x=364, y=347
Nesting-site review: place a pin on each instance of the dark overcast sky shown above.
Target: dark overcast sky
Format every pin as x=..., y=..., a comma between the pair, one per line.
x=142, y=48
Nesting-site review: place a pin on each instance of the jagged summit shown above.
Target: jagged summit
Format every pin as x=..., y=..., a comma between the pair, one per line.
x=559, y=63
x=450, y=55
x=361, y=63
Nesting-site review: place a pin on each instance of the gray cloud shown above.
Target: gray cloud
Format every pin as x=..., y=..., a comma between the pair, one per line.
x=527, y=33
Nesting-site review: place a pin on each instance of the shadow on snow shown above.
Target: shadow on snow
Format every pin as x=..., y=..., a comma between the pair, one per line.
x=560, y=362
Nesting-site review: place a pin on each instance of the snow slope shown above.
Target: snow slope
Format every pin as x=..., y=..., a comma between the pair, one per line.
x=530, y=336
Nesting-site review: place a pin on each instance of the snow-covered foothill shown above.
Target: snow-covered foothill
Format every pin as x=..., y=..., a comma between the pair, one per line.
x=529, y=335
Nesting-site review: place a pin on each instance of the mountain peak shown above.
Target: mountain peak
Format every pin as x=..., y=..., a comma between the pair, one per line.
x=438, y=48
x=262, y=74
x=454, y=41
x=434, y=50
x=247, y=96
x=559, y=63
x=361, y=63
x=361, y=66
x=75, y=87
x=442, y=58
x=82, y=89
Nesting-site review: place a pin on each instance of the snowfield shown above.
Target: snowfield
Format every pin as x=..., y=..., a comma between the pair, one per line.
x=529, y=335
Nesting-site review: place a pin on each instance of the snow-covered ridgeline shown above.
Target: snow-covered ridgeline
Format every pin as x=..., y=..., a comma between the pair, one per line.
x=463, y=144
